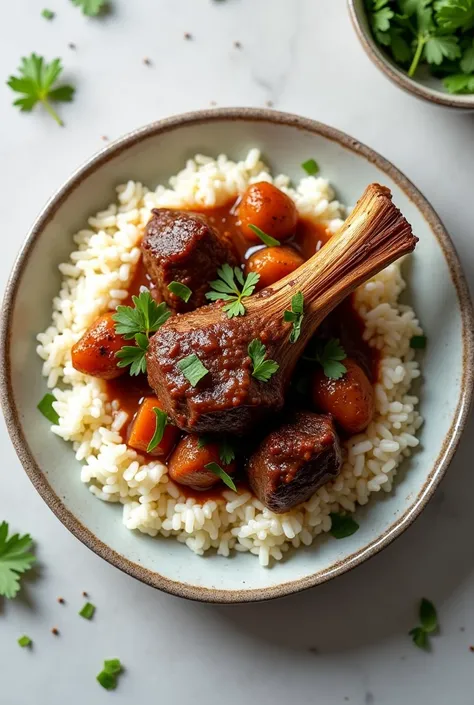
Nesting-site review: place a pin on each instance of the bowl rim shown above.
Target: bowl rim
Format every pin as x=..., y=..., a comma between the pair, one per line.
x=401, y=79
x=451, y=439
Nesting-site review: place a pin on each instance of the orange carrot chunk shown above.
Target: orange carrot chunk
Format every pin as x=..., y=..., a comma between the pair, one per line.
x=94, y=353
x=143, y=430
x=273, y=263
x=269, y=209
x=187, y=464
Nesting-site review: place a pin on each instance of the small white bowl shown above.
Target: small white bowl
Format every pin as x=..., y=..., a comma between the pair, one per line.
x=436, y=287
x=424, y=86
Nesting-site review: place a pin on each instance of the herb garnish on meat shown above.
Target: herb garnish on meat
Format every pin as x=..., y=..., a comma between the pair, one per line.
x=226, y=479
x=262, y=369
x=193, y=369
x=181, y=290
x=161, y=423
x=329, y=355
x=232, y=287
x=295, y=316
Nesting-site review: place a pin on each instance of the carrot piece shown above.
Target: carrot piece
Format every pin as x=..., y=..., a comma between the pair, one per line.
x=94, y=353
x=186, y=465
x=273, y=263
x=271, y=210
x=143, y=429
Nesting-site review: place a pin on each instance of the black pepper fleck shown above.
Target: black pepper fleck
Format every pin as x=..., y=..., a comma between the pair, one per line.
x=238, y=45
x=72, y=46
x=147, y=61
x=188, y=36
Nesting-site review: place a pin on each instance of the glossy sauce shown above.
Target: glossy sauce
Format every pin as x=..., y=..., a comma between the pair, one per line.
x=344, y=322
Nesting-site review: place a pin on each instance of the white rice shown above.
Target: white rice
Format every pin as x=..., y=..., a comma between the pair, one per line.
x=95, y=279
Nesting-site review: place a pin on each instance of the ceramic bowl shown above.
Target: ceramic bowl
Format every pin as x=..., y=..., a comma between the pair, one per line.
x=424, y=86
x=436, y=288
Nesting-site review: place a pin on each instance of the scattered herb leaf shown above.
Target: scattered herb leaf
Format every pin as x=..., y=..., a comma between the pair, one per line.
x=36, y=85
x=24, y=641
x=87, y=611
x=181, y=290
x=418, y=342
x=232, y=287
x=48, y=14
x=161, y=423
x=328, y=355
x=342, y=526
x=91, y=8
x=262, y=369
x=113, y=666
x=193, y=369
x=46, y=408
x=109, y=674
x=226, y=452
x=267, y=240
x=15, y=559
x=420, y=637
x=226, y=479
x=295, y=316
x=428, y=616
x=311, y=167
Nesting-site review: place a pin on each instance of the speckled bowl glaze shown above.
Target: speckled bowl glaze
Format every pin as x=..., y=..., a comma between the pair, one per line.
x=436, y=288
x=424, y=86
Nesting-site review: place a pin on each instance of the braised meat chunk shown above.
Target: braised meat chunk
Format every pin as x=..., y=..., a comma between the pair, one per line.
x=294, y=460
x=182, y=247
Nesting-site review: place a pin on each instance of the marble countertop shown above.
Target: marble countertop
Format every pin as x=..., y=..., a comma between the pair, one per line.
x=346, y=641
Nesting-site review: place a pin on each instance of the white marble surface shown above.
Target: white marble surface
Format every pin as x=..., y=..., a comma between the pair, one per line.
x=347, y=640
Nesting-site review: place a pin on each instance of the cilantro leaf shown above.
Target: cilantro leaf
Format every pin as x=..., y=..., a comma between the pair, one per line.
x=420, y=637
x=452, y=15
x=428, y=616
x=262, y=369
x=87, y=611
x=439, y=48
x=226, y=479
x=91, y=8
x=295, y=316
x=180, y=290
x=161, y=423
x=328, y=355
x=134, y=355
x=15, y=559
x=193, y=369
x=467, y=61
x=35, y=84
x=381, y=19
x=47, y=409
x=342, y=526
x=267, y=240
x=459, y=83
x=311, y=167
x=226, y=288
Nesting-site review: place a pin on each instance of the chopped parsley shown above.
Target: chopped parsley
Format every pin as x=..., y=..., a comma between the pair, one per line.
x=226, y=450
x=91, y=8
x=24, y=641
x=109, y=674
x=329, y=355
x=87, y=611
x=46, y=408
x=418, y=342
x=138, y=322
x=15, y=559
x=262, y=369
x=267, y=240
x=47, y=14
x=161, y=423
x=193, y=369
x=226, y=479
x=180, y=290
x=438, y=34
x=311, y=167
x=342, y=526
x=232, y=287
x=36, y=84
x=428, y=624
x=295, y=316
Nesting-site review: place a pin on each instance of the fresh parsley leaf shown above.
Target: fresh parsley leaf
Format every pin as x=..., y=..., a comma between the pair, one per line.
x=267, y=240
x=134, y=355
x=226, y=288
x=295, y=316
x=439, y=48
x=204, y=440
x=15, y=559
x=47, y=14
x=87, y=611
x=24, y=641
x=46, y=408
x=91, y=8
x=109, y=674
x=226, y=452
x=399, y=46
x=226, y=479
x=381, y=19
x=328, y=355
x=181, y=290
x=460, y=83
x=428, y=616
x=36, y=84
x=193, y=369
x=113, y=666
x=311, y=167
x=342, y=526
x=262, y=369
x=452, y=15
x=145, y=317
x=467, y=61
x=420, y=637
x=418, y=342
x=161, y=423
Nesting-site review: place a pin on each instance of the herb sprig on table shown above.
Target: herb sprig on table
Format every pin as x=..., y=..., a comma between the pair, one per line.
x=438, y=33
x=15, y=559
